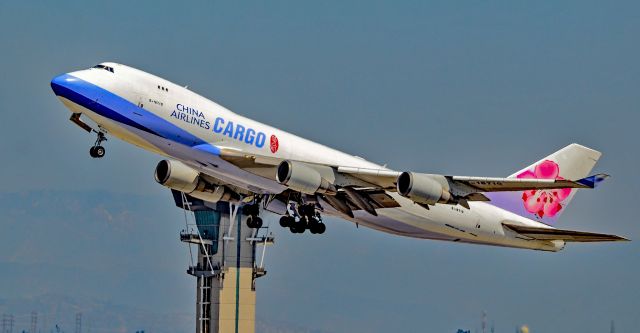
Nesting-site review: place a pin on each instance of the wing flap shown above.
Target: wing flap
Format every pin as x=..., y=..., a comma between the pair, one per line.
x=377, y=197
x=382, y=199
x=565, y=235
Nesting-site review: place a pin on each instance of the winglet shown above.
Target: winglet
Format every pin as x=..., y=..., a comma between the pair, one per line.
x=593, y=181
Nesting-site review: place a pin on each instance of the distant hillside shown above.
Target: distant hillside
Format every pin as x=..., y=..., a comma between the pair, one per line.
x=97, y=316
x=116, y=258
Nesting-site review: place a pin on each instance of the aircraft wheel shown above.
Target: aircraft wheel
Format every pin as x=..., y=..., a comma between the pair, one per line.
x=312, y=224
x=92, y=152
x=317, y=228
x=257, y=222
x=99, y=151
x=286, y=221
x=250, y=221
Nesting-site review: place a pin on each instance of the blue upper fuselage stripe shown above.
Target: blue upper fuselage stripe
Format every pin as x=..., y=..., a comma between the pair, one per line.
x=116, y=108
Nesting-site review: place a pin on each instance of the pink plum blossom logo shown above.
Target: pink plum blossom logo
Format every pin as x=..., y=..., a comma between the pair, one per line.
x=544, y=202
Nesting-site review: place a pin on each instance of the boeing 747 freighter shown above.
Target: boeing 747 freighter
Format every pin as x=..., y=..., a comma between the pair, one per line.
x=215, y=155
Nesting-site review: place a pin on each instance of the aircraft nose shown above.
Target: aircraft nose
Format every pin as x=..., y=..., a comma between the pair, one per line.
x=61, y=84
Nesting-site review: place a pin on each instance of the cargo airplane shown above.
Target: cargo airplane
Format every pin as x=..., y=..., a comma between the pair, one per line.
x=215, y=155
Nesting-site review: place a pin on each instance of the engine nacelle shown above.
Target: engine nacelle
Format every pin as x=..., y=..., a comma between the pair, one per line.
x=303, y=178
x=181, y=177
x=424, y=188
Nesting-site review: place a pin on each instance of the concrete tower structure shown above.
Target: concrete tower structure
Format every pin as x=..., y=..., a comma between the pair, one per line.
x=226, y=266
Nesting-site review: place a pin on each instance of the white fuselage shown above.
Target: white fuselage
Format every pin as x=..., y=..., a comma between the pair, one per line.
x=205, y=124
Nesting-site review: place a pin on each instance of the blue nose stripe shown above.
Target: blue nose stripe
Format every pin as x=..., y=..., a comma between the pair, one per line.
x=116, y=108
x=59, y=83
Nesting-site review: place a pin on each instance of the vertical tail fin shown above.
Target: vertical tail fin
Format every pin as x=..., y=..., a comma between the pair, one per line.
x=571, y=162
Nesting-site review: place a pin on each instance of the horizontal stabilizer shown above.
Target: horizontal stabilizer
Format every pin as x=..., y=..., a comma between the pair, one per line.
x=559, y=234
x=486, y=184
x=593, y=181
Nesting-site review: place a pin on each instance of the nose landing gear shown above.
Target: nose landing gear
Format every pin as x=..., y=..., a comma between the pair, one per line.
x=98, y=151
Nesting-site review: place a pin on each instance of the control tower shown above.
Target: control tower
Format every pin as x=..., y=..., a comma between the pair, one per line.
x=226, y=267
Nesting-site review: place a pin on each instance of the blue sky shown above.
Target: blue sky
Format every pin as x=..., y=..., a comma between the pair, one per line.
x=470, y=88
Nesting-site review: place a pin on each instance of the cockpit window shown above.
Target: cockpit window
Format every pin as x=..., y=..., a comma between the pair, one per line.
x=107, y=68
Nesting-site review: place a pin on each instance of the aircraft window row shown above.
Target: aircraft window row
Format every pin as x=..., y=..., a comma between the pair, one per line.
x=107, y=68
x=163, y=88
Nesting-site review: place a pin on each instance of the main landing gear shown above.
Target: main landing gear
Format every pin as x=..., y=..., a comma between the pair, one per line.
x=253, y=221
x=306, y=217
x=98, y=151
x=299, y=218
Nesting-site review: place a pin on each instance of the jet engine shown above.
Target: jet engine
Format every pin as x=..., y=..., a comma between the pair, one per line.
x=303, y=178
x=180, y=177
x=424, y=188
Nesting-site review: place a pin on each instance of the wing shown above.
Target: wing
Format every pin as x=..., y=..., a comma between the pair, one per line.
x=354, y=184
x=559, y=234
x=386, y=178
